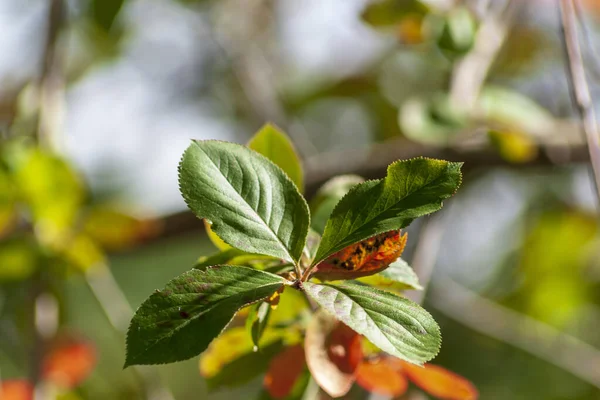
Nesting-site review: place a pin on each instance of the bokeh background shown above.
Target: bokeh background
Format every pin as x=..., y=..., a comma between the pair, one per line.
x=114, y=90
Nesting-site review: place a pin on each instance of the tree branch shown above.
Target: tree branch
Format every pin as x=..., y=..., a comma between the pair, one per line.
x=579, y=87
x=534, y=337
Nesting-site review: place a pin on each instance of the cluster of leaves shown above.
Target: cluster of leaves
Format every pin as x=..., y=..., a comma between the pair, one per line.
x=270, y=260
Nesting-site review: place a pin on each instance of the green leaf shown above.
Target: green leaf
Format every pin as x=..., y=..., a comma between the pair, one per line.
x=328, y=196
x=104, y=12
x=222, y=257
x=398, y=276
x=257, y=321
x=393, y=323
x=250, y=202
x=239, y=257
x=274, y=144
x=180, y=321
x=411, y=189
x=391, y=12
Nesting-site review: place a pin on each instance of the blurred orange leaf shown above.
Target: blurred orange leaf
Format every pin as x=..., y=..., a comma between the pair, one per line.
x=440, y=382
x=333, y=352
x=67, y=365
x=17, y=389
x=382, y=376
x=284, y=371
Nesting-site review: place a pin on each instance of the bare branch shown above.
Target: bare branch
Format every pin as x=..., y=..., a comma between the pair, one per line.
x=579, y=87
x=549, y=344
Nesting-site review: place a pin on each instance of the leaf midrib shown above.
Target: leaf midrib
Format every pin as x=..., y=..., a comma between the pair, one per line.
x=195, y=317
x=368, y=311
x=277, y=239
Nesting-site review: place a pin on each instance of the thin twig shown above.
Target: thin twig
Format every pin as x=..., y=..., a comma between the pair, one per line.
x=50, y=80
x=579, y=86
x=547, y=343
x=470, y=73
x=594, y=56
x=426, y=252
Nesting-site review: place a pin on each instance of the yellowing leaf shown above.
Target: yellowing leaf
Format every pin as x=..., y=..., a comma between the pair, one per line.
x=83, y=253
x=440, y=382
x=232, y=344
x=382, y=377
x=272, y=143
x=116, y=230
x=284, y=371
x=387, y=13
x=53, y=192
x=16, y=389
x=67, y=365
x=18, y=259
x=514, y=147
x=8, y=210
x=215, y=239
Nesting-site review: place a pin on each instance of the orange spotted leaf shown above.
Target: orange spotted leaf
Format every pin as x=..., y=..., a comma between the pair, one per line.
x=69, y=364
x=382, y=377
x=440, y=382
x=364, y=258
x=284, y=371
x=17, y=389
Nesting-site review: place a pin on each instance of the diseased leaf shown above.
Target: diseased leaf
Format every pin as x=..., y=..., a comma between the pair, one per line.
x=250, y=202
x=411, y=189
x=440, y=382
x=398, y=276
x=364, y=258
x=274, y=144
x=180, y=321
x=382, y=377
x=284, y=371
x=257, y=321
x=16, y=389
x=69, y=363
x=328, y=196
x=333, y=351
x=395, y=324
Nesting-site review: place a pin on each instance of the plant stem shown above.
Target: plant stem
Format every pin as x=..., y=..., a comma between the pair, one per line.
x=579, y=87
